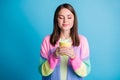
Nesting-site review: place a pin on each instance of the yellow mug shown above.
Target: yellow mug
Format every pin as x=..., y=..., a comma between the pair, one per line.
x=65, y=44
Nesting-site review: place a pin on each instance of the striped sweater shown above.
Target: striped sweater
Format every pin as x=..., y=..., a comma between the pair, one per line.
x=77, y=69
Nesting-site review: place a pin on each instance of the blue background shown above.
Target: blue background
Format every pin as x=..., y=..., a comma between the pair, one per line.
x=24, y=24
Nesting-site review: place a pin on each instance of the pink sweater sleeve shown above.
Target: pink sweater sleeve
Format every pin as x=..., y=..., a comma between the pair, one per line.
x=45, y=49
x=53, y=61
x=77, y=62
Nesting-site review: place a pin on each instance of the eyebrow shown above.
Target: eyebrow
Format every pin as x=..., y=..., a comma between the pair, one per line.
x=67, y=15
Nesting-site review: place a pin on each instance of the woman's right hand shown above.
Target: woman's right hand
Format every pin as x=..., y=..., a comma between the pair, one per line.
x=56, y=53
x=61, y=51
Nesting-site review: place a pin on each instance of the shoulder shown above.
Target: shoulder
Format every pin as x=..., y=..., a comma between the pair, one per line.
x=83, y=39
x=82, y=36
x=47, y=37
x=46, y=40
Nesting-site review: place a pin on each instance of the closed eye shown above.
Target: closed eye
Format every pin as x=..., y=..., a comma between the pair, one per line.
x=60, y=17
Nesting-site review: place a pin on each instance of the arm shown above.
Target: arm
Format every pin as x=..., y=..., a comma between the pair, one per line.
x=47, y=62
x=48, y=66
x=81, y=65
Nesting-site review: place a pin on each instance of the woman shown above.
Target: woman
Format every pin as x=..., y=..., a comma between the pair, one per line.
x=64, y=53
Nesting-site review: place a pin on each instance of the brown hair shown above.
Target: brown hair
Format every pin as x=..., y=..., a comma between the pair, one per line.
x=74, y=30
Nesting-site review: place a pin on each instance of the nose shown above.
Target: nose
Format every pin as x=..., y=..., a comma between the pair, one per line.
x=65, y=20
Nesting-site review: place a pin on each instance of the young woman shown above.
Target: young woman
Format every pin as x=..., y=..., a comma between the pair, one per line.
x=64, y=54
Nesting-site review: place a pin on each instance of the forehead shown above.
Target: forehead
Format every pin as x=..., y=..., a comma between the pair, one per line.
x=65, y=11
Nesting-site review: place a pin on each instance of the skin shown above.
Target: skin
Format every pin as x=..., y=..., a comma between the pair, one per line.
x=65, y=23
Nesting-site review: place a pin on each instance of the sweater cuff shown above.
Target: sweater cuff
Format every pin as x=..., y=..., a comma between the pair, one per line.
x=53, y=61
x=76, y=63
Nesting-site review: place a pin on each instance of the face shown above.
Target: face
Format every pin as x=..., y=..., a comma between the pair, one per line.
x=65, y=19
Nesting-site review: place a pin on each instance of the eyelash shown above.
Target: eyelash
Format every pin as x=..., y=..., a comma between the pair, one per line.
x=60, y=17
x=63, y=18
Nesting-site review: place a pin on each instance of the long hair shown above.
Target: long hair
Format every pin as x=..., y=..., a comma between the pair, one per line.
x=74, y=30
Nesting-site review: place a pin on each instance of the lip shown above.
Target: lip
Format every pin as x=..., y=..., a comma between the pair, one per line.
x=65, y=24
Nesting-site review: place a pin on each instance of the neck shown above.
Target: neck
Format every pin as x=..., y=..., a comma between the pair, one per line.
x=65, y=34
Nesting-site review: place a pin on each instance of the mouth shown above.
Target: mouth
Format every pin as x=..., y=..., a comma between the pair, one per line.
x=65, y=25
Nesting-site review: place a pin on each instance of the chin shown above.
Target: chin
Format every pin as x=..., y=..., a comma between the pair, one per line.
x=66, y=29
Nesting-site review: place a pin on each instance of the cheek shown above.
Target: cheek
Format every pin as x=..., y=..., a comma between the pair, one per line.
x=60, y=22
x=71, y=22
